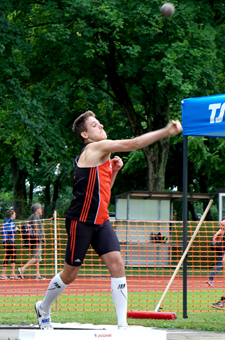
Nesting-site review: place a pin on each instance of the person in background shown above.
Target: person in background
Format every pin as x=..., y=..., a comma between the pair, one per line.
x=218, y=237
x=36, y=250
x=87, y=218
x=8, y=240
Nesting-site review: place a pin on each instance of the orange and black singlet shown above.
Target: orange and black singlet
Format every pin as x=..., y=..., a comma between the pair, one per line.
x=91, y=193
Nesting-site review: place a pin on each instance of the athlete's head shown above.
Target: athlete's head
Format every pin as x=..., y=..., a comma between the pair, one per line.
x=88, y=129
x=79, y=124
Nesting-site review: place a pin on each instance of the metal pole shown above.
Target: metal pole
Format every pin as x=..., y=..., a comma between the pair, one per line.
x=55, y=251
x=127, y=228
x=184, y=212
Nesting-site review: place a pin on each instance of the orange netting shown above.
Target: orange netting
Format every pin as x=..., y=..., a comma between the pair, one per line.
x=149, y=265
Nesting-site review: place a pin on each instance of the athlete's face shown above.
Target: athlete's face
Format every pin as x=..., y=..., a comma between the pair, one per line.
x=95, y=131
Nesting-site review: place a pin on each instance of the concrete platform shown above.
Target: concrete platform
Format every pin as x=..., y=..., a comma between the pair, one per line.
x=11, y=332
x=144, y=334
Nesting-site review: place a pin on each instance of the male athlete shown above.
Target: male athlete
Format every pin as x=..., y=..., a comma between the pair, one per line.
x=87, y=219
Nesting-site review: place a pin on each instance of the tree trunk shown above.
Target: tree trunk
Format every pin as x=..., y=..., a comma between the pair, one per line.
x=47, y=201
x=192, y=211
x=156, y=117
x=31, y=193
x=156, y=157
x=19, y=188
x=55, y=194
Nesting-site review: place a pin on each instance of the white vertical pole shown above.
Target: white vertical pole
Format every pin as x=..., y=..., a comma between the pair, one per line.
x=55, y=248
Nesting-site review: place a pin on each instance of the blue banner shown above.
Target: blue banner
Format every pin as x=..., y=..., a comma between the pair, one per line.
x=204, y=116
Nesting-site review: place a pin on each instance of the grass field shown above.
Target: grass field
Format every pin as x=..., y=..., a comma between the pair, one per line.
x=198, y=321
x=197, y=301
x=210, y=321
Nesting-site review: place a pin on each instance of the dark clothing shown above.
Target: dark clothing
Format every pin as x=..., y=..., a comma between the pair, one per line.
x=36, y=223
x=10, y=251
x=8, y=239
x=219, y=248
x=80, y=235
x=87, y=219
x=91, y=193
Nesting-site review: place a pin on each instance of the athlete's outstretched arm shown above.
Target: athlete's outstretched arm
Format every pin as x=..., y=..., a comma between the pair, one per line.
x=127, y=145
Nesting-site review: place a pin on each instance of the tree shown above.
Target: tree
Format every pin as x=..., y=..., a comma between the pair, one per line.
x=62, y=57
x=146, y=63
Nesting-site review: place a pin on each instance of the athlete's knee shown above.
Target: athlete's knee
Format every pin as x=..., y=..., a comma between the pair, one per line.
x=116, y=266
x=67, y=278
x=69, y=273
x=118, y=270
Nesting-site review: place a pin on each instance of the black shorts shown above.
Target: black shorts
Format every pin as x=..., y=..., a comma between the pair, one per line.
x=102, y=238
x=10, y=251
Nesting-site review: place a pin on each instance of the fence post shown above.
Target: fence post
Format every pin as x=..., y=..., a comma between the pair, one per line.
x=55, y=248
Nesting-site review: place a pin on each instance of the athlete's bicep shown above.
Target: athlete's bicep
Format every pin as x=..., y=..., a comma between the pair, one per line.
x=111, y=146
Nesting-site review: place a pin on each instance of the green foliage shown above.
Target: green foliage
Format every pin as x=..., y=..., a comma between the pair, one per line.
x=134, y=161
x=58, y=59
x=6, y=199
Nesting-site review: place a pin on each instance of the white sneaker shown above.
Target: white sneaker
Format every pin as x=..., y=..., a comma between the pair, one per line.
x=44, y=320
x=209, y=283
x=123, y=327
x=3, y=277
x=21, y=273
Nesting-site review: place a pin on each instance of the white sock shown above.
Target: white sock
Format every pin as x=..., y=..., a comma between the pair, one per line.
x=119, y=296
x=55, y=288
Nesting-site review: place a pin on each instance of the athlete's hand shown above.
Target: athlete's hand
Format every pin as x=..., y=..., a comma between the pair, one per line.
x=116, y=163
x=174, y=127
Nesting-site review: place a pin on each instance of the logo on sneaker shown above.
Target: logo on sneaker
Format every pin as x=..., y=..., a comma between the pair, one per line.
x=121, y=286
x=45, y=320
x=77, y=260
